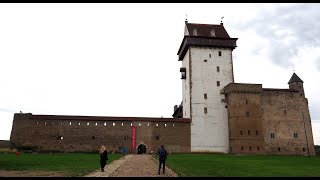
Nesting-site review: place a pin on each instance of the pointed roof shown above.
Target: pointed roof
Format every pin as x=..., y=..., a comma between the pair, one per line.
x=294, y=78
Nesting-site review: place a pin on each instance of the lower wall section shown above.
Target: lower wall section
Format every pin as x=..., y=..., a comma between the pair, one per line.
x=88, y=134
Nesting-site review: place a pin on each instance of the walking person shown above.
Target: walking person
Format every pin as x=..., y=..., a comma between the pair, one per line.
x=162, y=153
x=124, y=149
x=103, y=157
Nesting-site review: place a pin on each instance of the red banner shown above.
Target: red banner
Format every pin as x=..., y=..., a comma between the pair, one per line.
x=133, y=142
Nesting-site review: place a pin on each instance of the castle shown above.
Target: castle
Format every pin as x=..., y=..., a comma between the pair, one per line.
x=216, y=114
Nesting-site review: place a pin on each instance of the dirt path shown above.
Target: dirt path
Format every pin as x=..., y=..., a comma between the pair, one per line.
x=133, y=166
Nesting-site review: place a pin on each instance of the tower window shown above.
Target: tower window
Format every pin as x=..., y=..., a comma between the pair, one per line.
x=219, y=53
x=205, y=110
x=205, y=60
x=209, y=55
x=218, y=69
x=295, y=135
x=205, y=96
x=183, y=73
x=272, y=135
x=195, y=32
x=218, y=83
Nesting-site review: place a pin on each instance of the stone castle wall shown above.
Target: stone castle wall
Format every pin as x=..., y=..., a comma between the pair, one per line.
x=88, y=133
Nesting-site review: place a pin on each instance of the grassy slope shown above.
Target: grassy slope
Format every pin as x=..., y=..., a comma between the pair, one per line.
x=74, y=164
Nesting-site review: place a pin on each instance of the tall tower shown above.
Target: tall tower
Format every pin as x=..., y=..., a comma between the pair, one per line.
x=206, y=55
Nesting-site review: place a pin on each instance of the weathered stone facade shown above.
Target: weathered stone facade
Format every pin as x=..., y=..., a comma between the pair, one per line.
x=88, y=133
x=268, y=121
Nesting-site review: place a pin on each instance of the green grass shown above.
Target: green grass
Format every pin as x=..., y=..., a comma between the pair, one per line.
x=226, y=165
x=72, y=164
x=199, y=165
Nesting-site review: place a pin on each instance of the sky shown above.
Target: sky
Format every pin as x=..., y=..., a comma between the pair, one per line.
x=121, y=59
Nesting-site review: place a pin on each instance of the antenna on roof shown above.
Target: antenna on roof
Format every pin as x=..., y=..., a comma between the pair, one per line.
x=186, y=19
x=222, y=18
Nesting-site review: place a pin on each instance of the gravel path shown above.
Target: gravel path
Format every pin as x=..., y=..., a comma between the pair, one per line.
x=133, y=166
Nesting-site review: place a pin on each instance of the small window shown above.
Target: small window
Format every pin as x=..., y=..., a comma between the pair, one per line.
x=249, y=132
x=241, y=148
x=105, y=124
x=113, y=124
x=61, y=137
x=295, y=135
x=257, y=133
x=218, y=83
x=79, y=123
x=131, y=124
x=303, y=149
x=157, y=137
x=272, y=135
x=218, y=69
x=70, y=123
x=88, y=123
x=139, y=124
x=126, y=137
x=205, y=60
x=45, y=123
x=96, y=124
x=246, y=101
x=249, y=148
x=240, y=132
x=247, y=113
x=37, y=122
x=121, y=124
x=284, y=111
x=165, y=125
x=173, y=125
x=209, y=55
x=258, y=148
x=205, y=96
x=219, y=53
x=157, y=124
x=278, y=149
x=148, y=124
x=61, y=123
x=93, y=137
x=205, y=110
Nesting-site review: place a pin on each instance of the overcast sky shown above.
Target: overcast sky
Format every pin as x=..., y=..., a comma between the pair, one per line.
x=121, y=59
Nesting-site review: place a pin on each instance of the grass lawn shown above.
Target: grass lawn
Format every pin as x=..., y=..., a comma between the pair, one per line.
x=73, y=164
x=226, y=165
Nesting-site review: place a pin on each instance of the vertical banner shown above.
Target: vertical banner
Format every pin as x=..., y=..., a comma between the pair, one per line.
x=133, y=142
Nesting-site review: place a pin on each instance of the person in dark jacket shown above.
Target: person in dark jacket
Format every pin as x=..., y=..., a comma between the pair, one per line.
x=162, y=153
x=103, y=157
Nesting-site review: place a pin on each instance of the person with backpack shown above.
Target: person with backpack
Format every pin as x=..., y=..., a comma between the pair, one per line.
x=162, y=153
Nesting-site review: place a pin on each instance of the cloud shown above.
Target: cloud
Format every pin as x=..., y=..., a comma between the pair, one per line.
x=7, y=110
x=287, y=29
